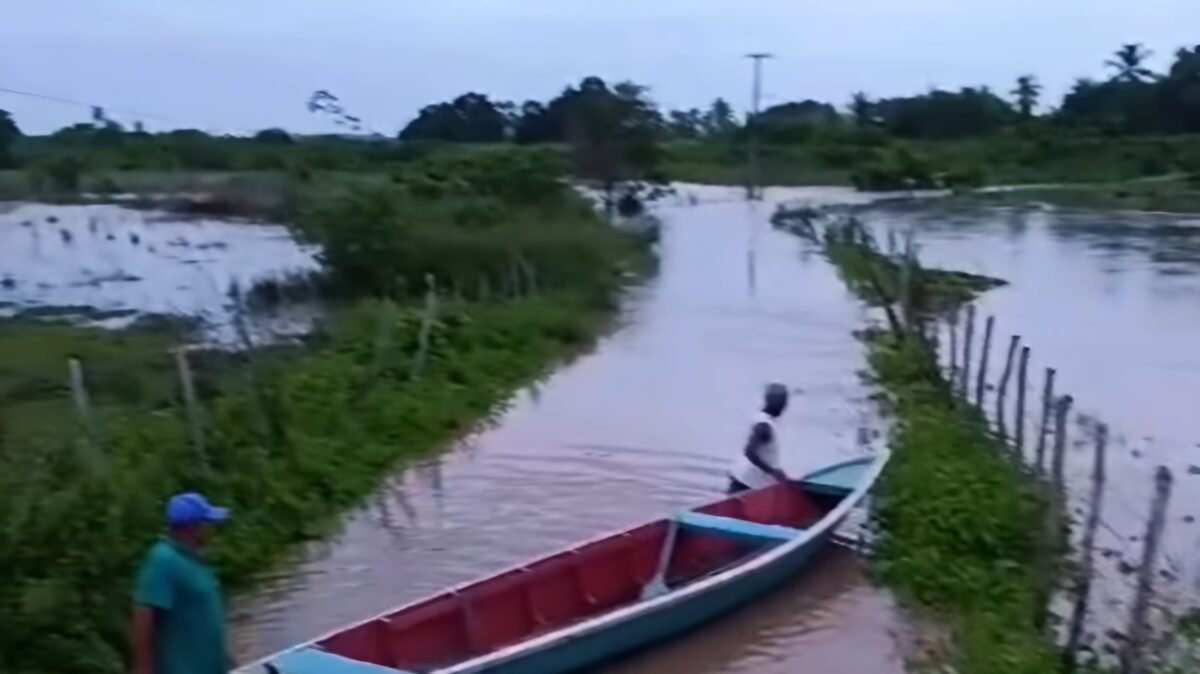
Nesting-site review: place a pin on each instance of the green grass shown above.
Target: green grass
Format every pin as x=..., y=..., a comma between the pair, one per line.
x=717, y=163
x=1170, y=195
x=957, y=521
x=1011, y=158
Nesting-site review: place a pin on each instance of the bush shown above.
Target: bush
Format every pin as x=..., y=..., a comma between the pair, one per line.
x=61, y=173
x=896, y=169
x=486, y=223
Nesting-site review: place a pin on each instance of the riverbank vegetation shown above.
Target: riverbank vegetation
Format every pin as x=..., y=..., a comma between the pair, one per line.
x=1170, y=194
x=954, y=513
x=450, y=283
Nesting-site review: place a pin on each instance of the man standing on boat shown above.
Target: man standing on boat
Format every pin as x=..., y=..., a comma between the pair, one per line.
x=759, y=466
x=179, y=617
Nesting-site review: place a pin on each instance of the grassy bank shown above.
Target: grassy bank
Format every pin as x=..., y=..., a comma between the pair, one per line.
x=1172, y=194
x=293, y=435
x=956, y=516
x=881, y=162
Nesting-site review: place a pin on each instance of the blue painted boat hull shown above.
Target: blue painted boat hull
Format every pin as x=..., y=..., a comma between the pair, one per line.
x=651, y=628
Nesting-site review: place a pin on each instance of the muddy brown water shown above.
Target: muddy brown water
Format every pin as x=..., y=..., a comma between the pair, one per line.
x=1112, y=301
x=643, y=425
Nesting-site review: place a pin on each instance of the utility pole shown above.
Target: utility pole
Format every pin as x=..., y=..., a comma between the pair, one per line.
x=753, y=189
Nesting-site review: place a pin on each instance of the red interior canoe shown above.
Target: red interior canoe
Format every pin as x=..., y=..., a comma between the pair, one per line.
x=579, y=607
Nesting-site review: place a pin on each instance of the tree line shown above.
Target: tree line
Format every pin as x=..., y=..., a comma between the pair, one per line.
x=1133, y=100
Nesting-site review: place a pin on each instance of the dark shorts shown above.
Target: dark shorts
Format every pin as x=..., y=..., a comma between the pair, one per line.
x=736, y=487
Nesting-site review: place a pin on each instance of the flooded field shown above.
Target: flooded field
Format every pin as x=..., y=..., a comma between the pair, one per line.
x=644, y=425
x=648, y=421
x=1112, y=301
x=109, y=265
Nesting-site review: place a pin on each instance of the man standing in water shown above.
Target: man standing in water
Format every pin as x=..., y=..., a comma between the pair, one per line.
x=179, y=617
x=759, y=466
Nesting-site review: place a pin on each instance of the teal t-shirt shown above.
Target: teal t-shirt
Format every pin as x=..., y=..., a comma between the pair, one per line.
x=190, y=625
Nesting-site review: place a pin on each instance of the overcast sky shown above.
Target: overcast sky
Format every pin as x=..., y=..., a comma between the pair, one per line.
x=239, y=65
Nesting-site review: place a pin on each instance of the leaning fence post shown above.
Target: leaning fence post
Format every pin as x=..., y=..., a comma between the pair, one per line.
x=984, y=356
x=907, y=279
x=1044, y=428
x=426, y=326
x=1022, y=380
x=1002, y=394
x=965, y=383
x=1083, y=584
x=1133, y=655
x=83, y=406
x=195, y=415
x=1058, y=464
x=953, y=349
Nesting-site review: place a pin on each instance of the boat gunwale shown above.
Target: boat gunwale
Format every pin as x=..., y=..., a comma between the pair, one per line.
x=596, y=623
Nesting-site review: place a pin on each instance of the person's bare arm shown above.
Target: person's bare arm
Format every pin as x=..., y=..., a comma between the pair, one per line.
x=759, y=436
x=143, y=640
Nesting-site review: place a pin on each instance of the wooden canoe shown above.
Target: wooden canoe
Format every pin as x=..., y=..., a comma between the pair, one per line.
x=590, y=603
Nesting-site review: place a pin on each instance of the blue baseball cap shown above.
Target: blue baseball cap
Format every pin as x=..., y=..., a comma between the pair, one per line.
x=193, y=508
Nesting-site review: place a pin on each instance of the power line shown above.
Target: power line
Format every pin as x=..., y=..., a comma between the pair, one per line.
x=91, y=106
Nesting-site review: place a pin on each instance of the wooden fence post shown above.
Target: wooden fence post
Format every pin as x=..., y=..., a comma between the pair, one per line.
x=1002, y=393
x=385, y=327
x=1044, y=428
x=984, y=356
x=195, y=415
x=908, y=274
x=965, y=383
x=426, y=326
x=1022, y=382
x=1083, y=582
x=83, y=406
x=953, y=350
x=1058, y=464
x=1133, y=655
x=1053, y=532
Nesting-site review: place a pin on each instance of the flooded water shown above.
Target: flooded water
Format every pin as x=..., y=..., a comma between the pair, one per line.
x=109, y=265
x=644, y=425
x=1112, y=301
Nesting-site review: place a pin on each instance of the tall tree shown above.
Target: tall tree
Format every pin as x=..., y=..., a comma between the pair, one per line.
x=940, y=114
x=614, y=136
x=686, y=123
x=862, y=109
x=719, y=120
x=470, y=118
x=9, y=133
x=1128, y=62
x=1026, y=95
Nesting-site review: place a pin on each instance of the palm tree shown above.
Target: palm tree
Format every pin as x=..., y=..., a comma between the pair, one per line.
x=1128, y=64
x=1026, y=94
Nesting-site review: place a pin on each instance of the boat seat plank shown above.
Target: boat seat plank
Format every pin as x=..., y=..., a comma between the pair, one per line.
x=317, y=661
x=836, y=480
x=740, y=530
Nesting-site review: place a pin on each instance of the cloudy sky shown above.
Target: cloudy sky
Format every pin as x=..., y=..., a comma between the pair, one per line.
x=239, y=65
